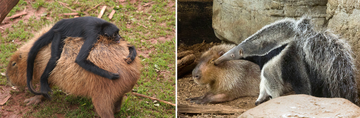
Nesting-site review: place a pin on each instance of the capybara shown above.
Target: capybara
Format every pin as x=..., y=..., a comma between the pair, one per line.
x=226, y=81
x=106, y=94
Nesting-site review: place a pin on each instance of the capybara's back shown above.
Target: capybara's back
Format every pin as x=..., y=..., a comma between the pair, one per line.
x=70, y=77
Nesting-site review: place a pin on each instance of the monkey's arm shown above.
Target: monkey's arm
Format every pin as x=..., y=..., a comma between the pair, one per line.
x=81, y=59
x=132, y=54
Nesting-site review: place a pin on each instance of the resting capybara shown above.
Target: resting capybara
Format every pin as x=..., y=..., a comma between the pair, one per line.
x=226, y=81
x=106, y=94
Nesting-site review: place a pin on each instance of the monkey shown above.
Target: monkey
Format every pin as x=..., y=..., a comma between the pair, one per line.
x=227, y=81
x=89, y=28
x=316, y=63
x=106, y=94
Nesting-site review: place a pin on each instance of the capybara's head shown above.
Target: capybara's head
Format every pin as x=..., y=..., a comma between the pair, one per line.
x=206, y=72
x=16, y=68
x=13, y=69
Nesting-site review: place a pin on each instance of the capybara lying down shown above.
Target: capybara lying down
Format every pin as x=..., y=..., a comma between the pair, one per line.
x=226, y=81
x=106, y=94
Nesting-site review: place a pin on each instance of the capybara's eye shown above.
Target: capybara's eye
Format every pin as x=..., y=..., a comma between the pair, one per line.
x=14, y=64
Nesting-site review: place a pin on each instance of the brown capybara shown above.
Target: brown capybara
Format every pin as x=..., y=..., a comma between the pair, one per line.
x=226, y=81
x=106, y=94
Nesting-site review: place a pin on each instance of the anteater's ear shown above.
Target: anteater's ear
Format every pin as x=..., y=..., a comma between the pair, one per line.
x=304, y=24
x=221, y=53
x=20, y=55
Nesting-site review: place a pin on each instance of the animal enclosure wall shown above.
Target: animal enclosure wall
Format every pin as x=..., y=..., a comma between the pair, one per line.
x=195, y=22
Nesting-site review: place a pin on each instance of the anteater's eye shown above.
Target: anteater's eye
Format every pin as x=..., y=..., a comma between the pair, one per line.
x=13, y=64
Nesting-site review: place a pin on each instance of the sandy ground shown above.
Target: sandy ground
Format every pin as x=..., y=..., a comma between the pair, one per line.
x=187, y=88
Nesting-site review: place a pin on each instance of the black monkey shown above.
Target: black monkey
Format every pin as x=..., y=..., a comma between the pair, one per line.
x=88, y=28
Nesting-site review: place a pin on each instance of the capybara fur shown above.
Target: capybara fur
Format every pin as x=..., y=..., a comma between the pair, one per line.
x=226, y=81
x=106, y=94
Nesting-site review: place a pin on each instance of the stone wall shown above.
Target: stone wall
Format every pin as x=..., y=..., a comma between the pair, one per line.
x=235, y=20
x=194, y=22
x=344, y=20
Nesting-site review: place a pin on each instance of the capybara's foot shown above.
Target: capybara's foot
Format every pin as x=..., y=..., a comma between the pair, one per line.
x=198, y=100
x=34, y=100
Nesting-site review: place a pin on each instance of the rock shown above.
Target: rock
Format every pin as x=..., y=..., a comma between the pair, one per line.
x=235, y=20
x=300, y=105
x=343, y=16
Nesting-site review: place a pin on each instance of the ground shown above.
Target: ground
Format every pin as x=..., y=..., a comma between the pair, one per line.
x=187, y=88
x=148, y=25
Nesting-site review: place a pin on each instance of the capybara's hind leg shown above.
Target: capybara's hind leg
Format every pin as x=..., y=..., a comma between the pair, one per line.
x=104, y=106
x=118, y=104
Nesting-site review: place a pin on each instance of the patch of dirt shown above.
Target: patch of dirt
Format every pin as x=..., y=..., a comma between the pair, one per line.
x=128, y=26
x=187, y=88
x=133, y=1
x=171, y=3
x=31, y=12
x=145, y=53
x=161, y=39
x=15, y=106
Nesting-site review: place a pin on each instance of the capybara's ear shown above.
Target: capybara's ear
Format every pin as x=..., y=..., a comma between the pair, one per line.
x=221, y=53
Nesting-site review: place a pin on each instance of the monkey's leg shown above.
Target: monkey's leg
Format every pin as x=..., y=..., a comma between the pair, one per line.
x=81, y=59
x=56, y=49
x=132, y=54
x=41, y=42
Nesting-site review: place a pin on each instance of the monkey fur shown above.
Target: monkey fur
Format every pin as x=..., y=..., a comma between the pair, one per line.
x=316, y=63
x=89, y=28
x=226, y=81
x=106, y=94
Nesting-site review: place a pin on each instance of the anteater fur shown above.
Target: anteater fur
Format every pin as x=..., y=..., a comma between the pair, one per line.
x=226, y=81
x=106, y=94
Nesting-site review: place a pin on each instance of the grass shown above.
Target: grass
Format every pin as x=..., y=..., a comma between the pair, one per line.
x=137, y=26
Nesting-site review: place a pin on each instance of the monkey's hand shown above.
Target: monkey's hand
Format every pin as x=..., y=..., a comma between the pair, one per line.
x=34, y=100
x=128, y=60
x=115, y=76
x=132, y=54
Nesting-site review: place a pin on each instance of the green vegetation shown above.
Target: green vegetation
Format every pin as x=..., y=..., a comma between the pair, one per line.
x=140, y=23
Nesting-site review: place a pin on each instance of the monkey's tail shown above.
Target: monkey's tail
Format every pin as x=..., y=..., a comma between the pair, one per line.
x=331, y=58
x=41, y=42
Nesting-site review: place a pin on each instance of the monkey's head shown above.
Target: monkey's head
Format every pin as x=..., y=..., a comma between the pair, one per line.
x=111, y=31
